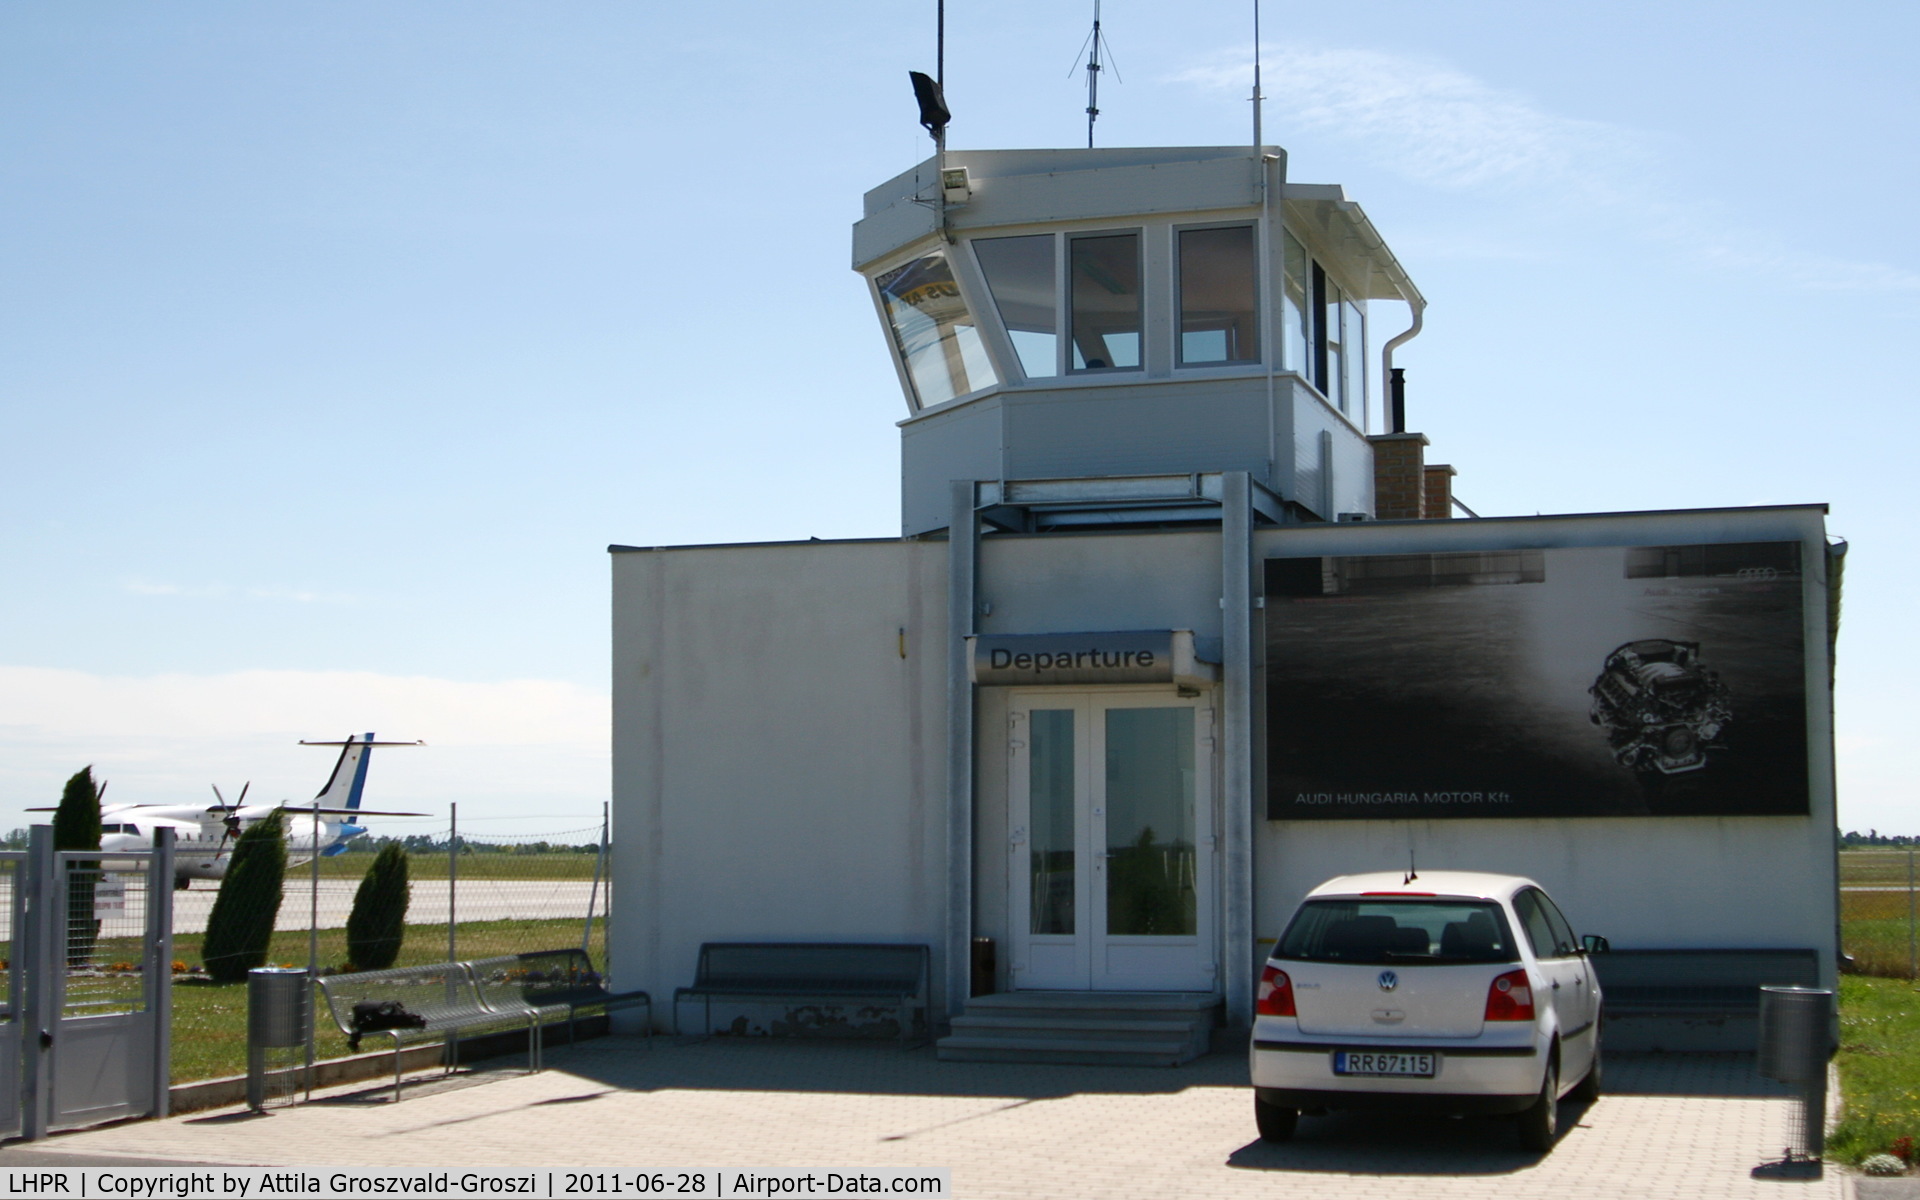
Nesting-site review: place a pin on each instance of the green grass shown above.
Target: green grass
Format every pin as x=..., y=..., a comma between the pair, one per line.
x=210, y=1019
x=1884, y=868
x=353, y=865
x=1879, y=1067
x=1875, y=927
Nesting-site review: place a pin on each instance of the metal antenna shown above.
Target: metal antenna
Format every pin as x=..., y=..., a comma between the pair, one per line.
x=1095, y=41
x=1093, y=75
x=1258, y=98
x=940, y=44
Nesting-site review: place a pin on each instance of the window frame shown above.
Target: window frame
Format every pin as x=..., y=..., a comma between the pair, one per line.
x=964, y=271
x=1001, y=339
x=1176, y=313
x=1142, y=298
x=1539, y=902
x=1325, y=288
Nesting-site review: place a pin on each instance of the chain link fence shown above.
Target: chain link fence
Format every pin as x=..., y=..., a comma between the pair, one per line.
x=469, y=896
x=106, y=918
x=9, y=945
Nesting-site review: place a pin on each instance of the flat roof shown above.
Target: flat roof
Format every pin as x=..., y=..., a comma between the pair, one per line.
x=1342, y=526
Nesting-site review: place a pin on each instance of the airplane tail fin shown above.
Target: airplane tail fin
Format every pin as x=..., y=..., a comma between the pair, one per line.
x=349, y=778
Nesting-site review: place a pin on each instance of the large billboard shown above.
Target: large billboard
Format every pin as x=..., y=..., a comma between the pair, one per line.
x=1580, y=682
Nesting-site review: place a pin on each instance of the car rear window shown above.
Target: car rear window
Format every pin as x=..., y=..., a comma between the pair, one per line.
x=1399, y=931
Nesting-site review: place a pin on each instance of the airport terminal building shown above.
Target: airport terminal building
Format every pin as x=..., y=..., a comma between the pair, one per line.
x=1180, y=623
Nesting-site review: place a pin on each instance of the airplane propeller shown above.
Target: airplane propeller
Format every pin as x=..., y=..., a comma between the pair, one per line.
x=231, y=822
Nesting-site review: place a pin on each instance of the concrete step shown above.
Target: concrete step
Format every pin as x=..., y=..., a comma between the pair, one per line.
x=1079, y=1001
x=1074, y=1051
x=1024, y=1024
x=1132, y=1028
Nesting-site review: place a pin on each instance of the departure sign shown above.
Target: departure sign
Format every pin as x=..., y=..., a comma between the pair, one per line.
x=1133, y=656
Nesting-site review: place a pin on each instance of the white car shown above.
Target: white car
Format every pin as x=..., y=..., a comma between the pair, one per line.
x=1449, y=991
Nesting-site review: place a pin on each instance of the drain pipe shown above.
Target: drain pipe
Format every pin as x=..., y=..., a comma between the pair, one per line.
x=1397, y=420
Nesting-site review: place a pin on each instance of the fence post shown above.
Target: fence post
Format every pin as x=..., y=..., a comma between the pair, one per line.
x=313, y=944
x=593, y=892
x=453, y=878
x=159, y=966
x=44, y=956
x=1913, y=943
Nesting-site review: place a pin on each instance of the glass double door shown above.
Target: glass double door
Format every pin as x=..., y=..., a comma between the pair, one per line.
x=1112, y=862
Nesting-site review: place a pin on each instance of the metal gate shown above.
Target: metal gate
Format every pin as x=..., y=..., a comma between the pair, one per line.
x=13, y=866
x=96, y=990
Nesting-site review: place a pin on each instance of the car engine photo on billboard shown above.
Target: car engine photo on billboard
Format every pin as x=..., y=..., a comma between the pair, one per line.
x=1589, y=681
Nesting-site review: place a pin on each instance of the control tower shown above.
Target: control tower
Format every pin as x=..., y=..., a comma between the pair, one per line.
x=1143, y=317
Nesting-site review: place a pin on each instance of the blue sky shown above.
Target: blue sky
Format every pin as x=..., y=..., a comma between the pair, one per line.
x=338, y=340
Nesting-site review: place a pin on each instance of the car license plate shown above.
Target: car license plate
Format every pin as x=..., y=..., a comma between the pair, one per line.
x=1384, y=1062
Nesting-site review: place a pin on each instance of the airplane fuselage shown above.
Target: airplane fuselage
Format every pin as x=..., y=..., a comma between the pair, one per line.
x=203, y=844
x=204, y=835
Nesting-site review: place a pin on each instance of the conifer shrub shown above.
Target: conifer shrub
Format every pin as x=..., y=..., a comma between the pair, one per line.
x=76, y=826
x=378, y=922
x=240, y=927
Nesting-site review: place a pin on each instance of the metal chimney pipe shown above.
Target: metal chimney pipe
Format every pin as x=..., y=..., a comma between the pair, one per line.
x=1397, y=392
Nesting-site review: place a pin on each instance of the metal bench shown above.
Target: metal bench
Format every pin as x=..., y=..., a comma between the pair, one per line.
x=439, y=1002
x=549, y=981
x=895, y=974
x=1698, y=983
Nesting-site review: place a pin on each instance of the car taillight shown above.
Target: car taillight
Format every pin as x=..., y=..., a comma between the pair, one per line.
x=1275, y=998
x=1510, y=998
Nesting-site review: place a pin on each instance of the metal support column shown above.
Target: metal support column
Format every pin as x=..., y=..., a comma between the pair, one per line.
x=159, y=967
x=1236, y=625
x=44, y=951
x=963, y=537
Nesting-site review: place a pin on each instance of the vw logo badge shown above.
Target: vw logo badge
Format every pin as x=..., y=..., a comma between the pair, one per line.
x=1388, y=981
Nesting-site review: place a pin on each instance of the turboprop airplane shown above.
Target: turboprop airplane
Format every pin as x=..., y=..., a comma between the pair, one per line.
x=204, y=837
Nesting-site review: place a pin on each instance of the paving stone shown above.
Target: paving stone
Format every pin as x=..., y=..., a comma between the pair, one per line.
x=1672, y=1126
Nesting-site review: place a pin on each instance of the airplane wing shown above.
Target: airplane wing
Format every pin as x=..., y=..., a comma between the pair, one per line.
x=307, y=809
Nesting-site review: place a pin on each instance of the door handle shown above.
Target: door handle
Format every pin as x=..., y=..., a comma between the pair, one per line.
x=1556, y=985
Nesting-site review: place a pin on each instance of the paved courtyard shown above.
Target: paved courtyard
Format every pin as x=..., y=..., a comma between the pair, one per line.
x=1680, y=1126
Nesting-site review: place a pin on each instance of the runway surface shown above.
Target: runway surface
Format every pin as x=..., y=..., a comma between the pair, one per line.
x=478, y=900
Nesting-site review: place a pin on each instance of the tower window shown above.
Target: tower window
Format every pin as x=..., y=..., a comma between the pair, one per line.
x=1103, y=293
x=1020, y=274
x=1293, y=309
x=1219, y=305
x=934, y=331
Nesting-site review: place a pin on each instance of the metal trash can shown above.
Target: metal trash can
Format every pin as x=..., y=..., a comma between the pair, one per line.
x=277, y=1020
x=984, y=968
x=1796, y=1040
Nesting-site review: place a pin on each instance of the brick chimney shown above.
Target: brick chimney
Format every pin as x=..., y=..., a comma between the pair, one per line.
x=1438, y=502
x=1400, y=475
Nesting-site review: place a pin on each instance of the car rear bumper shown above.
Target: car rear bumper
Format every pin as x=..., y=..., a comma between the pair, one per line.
x=1472, y=1104
x=1468, y=1068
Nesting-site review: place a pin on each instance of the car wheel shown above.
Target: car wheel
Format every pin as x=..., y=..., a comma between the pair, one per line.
x=1541, y=1120
x=1276, y=1123
x=1588, y=1089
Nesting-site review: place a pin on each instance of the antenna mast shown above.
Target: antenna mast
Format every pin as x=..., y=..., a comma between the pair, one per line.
x=1095, y=41
x=1258, y=99
x=1093, y=75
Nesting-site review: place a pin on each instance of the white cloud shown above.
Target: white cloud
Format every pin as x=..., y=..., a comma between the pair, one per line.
x=534, y=749
x=1430, y=121
x=1443, y=128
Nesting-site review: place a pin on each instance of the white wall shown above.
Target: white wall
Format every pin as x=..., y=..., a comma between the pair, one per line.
x=778, y=765
x=1053, y=583
x=1643, y=882
x=779, y=768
